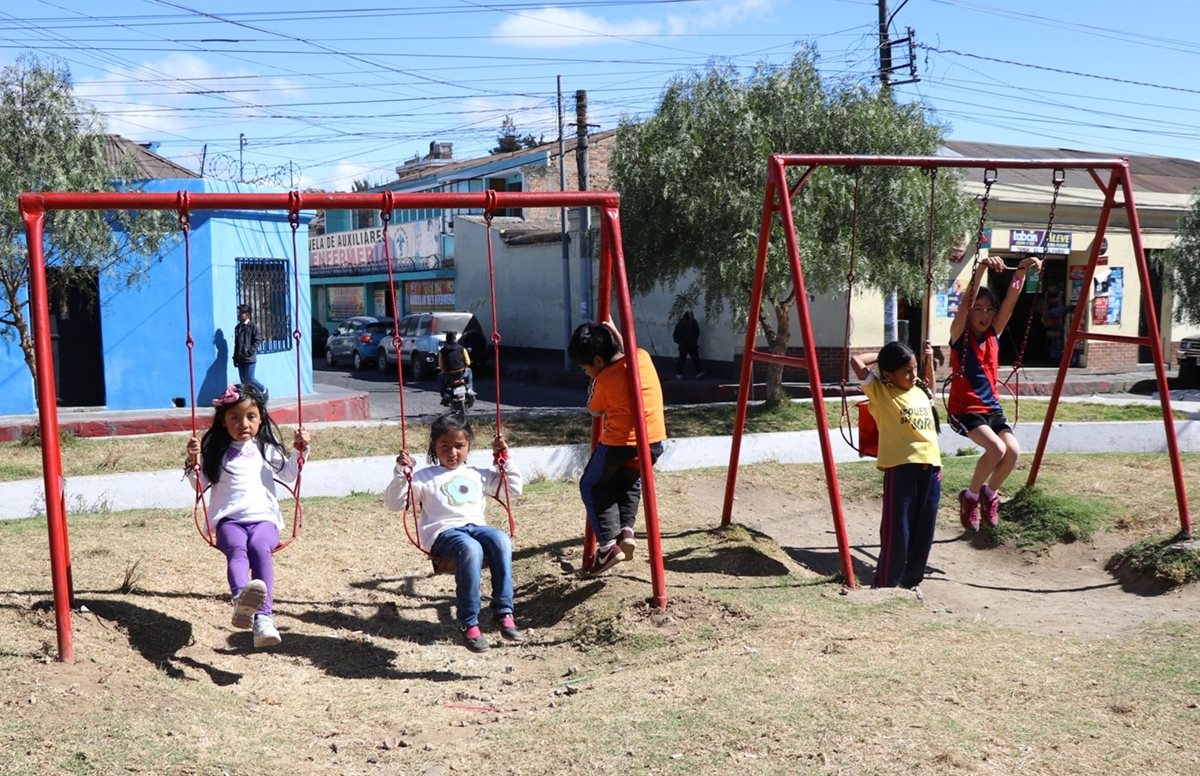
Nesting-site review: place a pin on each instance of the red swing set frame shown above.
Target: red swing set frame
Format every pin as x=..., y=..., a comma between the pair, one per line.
x=612, y=279
x=777, y=201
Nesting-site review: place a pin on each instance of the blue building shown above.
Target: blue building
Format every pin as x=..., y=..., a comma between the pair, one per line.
x=125, y=348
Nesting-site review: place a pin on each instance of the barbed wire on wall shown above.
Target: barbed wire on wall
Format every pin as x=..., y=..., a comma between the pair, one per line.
x=228, y=168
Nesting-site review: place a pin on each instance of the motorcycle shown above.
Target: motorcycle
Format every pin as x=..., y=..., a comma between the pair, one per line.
x=456, y=396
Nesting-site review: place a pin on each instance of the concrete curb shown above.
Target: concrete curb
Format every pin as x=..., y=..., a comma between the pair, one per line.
x=101, y=494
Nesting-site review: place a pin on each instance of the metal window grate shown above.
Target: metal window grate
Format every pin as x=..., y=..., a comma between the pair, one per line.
x=265, y=286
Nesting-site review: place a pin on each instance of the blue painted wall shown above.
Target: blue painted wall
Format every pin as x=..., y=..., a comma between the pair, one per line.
x=144, y=328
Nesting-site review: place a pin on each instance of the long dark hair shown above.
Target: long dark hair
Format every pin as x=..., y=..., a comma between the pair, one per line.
x=216, y=441
x=895, y=355
x=450, y=423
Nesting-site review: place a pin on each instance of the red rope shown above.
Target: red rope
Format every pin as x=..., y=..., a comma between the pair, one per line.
x=198, y=506
x=385, y=215
x=294, y=205
x=499, y=459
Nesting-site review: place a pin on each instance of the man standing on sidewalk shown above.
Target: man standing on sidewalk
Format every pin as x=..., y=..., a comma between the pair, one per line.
x=246, y=340
x=687, y=337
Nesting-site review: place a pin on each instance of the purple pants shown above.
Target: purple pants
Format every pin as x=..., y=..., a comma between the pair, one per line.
x=247, y=548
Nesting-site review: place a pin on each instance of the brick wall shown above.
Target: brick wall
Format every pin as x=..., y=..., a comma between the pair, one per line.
x=539, y=178
x=1111, y=356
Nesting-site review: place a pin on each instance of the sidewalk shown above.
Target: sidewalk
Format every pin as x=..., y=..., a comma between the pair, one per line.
x=332, y=404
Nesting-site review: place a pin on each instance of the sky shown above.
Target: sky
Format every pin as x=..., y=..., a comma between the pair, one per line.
x=320, y=93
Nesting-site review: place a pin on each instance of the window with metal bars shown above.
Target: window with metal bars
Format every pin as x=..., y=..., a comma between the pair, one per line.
x=265, y=286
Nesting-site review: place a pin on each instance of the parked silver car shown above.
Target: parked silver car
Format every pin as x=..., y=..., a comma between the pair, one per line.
x=422, y=334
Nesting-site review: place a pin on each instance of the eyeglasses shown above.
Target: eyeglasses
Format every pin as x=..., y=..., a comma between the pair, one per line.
x=985, y=310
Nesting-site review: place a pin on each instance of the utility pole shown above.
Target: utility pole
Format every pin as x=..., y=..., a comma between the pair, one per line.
x=885, y=50
x=241, y=163
x=564, y=234
x=585, y=213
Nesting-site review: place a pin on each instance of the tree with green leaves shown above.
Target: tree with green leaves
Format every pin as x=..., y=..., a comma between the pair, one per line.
x=692, y=179
x=1180, y=265
x=55, y=142
x=509, y=140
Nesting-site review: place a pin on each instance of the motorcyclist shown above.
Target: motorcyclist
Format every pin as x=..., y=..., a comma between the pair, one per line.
x=454, y=361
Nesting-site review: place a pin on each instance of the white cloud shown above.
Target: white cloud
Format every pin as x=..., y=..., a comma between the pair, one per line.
x=714, y=16
x=558, y=28
x=142, y=102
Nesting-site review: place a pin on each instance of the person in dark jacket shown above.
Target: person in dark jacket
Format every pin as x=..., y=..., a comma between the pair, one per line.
x=454, y=360
x=687, y=337
x=246, y=341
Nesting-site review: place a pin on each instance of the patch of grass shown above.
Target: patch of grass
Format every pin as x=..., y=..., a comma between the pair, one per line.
x=1038, y=517
x=1166, y=560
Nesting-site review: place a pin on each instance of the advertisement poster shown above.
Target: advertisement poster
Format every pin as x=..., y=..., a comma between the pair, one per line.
x=1076, y=278
x=945, y=304
x=345, y=302
x=1108, y=287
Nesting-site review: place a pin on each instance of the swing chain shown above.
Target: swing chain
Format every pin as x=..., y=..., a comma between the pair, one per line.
x=1058, y=178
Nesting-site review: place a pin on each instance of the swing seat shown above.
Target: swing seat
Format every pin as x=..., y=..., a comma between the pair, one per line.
x=868, y=432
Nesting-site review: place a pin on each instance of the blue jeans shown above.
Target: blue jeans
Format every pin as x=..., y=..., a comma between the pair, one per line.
x=467, y=546
x=246, y=377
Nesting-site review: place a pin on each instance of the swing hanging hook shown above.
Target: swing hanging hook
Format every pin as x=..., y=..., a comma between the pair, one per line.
x=385, y=212
x=184, y=206
x=489, y=206
x=294, y=203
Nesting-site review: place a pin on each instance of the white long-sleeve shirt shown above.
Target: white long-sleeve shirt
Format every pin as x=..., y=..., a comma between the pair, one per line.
x=449, y=498
x=246, y=489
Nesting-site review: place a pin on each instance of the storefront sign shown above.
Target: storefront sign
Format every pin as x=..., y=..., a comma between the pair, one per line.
x=425, y=295
x=412, y=246
x=1031, y=241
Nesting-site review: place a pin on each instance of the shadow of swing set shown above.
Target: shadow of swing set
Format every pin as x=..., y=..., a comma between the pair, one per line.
x=612, y=280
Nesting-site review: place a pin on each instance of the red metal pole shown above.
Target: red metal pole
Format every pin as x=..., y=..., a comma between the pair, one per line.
x=56, y=519
x=128, y=200
x=814, y=381
x=603, y=312
x=776, y=184
x=649, y=497
x=1076, y=323
x=1160, y=370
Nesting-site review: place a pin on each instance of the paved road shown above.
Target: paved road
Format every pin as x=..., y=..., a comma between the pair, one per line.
x=422, y=399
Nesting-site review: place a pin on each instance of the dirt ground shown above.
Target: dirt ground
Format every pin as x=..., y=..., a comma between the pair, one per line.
x=1065, y=592
x=371, y=679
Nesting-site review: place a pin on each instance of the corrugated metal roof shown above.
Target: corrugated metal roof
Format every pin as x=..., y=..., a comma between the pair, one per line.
x=147, y=164
x=1157, y=174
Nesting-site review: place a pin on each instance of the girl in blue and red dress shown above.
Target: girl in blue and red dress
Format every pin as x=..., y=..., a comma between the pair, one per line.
x=974, y=399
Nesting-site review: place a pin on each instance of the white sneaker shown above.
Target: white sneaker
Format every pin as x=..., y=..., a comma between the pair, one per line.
x=265, y=633
x=246, y=603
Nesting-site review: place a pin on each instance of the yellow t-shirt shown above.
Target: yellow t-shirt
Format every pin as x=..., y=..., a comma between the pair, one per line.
x=610, y=397
x=905, y=420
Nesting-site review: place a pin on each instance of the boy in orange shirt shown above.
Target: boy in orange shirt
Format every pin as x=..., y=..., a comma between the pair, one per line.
x=611, y=489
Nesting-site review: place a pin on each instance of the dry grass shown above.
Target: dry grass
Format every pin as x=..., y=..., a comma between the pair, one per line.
x=757, y=666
